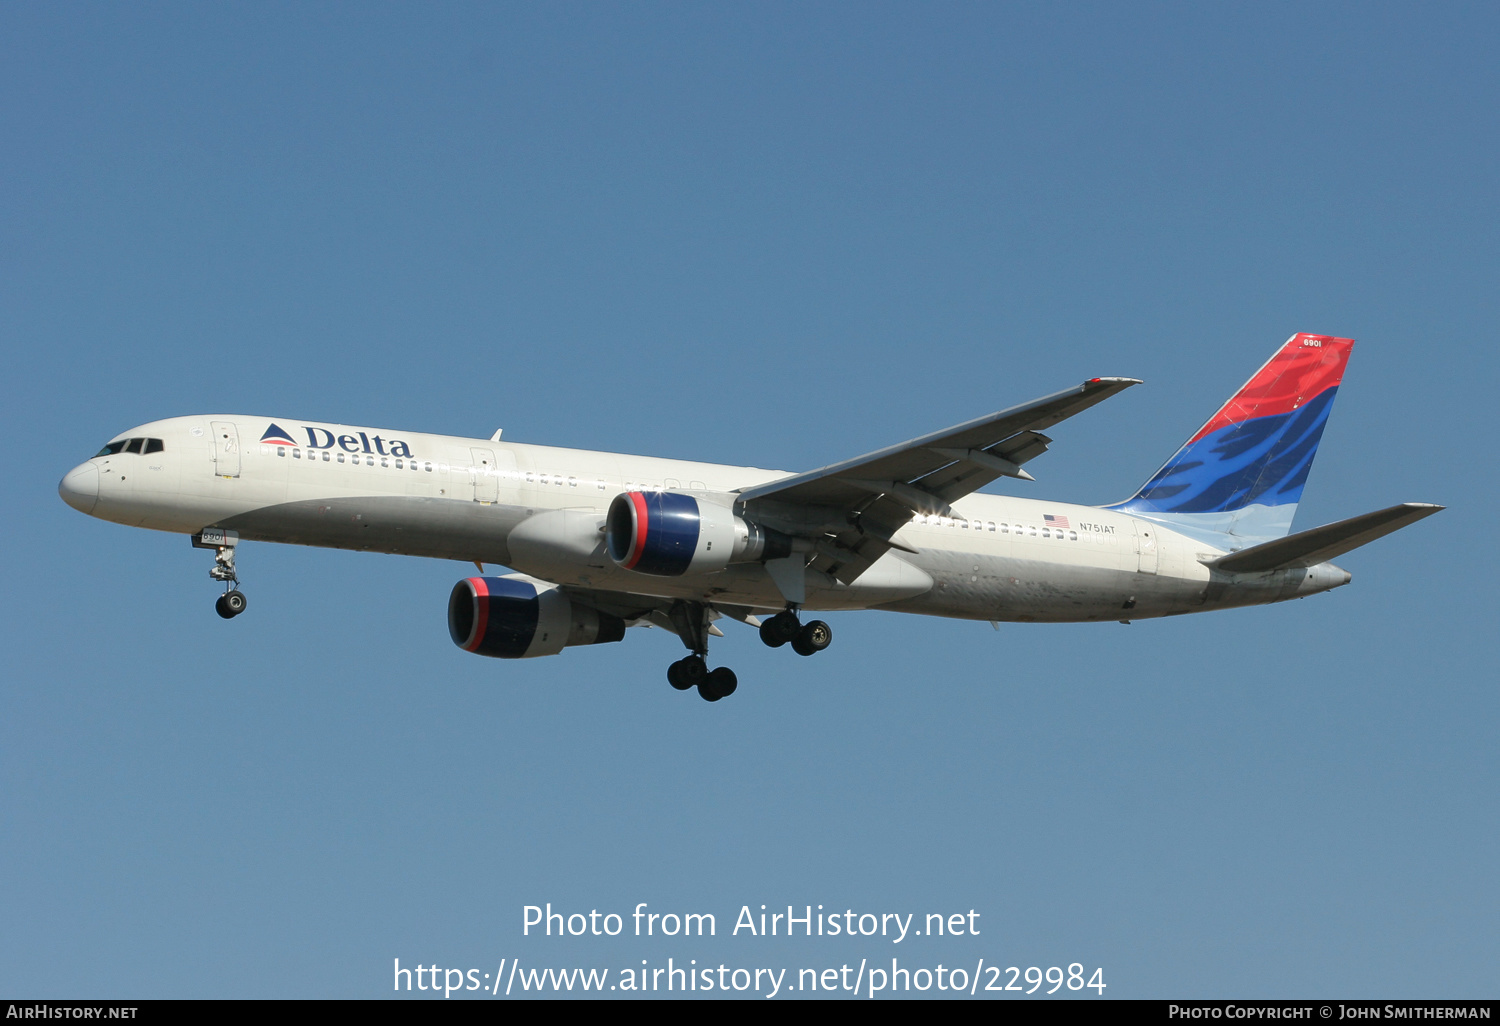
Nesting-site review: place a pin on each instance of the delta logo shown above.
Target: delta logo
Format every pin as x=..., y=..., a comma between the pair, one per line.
x=322, y=438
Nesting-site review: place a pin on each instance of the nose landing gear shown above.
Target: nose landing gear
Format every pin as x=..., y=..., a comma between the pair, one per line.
x=233, y=602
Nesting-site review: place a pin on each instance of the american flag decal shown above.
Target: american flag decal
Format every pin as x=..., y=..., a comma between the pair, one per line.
x=1052, y=521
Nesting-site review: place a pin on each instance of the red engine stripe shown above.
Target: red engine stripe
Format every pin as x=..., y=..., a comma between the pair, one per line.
x=481, y=612
x=638, y=504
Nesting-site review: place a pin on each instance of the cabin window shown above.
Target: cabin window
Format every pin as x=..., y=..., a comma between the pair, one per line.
x=427, y=467
x=280, y=452
x=1072, y=536
x=572, y=482
x=1046, y=533
x=399, y=465
x=384, y=462
x=326, y=456
x=296, y=454
x=964, y=524
x=992, y=526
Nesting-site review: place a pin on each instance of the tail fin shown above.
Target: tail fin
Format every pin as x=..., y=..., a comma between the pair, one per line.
x=1242, y=473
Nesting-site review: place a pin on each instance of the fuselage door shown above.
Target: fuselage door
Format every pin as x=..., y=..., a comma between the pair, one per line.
x=226, y=449
x=486, y=476
x=1145, y=546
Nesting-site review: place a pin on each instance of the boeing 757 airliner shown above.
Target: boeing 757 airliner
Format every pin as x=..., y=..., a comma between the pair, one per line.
x=602, y=541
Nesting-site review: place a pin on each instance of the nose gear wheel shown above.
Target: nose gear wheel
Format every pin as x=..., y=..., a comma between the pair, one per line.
x=233, y=602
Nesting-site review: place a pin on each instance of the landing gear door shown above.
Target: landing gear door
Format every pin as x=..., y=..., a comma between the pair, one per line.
x=1145, y=546
x=486, y=474
x=226, y=449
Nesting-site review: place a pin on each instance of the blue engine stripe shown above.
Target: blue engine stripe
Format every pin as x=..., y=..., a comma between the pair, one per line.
x=514, y=610
x=671, y=534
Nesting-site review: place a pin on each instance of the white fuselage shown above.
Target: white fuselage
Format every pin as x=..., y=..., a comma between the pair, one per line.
x=541, y=509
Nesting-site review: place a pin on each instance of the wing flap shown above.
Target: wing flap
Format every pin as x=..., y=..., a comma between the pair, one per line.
x=1319, y=545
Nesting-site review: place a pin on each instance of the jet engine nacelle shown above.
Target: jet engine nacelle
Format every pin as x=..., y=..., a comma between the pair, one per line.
x=517, y=618
x=669, y=534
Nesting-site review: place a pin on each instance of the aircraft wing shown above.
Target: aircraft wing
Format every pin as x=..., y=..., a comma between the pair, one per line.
x=853, y=508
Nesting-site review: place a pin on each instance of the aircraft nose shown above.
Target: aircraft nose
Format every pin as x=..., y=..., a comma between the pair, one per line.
x=79, y=488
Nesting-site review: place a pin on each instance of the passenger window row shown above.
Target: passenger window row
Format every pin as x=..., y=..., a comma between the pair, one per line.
x=329, y=456
x=1024, y=530
x=139, y=446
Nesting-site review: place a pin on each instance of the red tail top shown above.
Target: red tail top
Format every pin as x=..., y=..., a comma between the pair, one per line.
x=1301, y=370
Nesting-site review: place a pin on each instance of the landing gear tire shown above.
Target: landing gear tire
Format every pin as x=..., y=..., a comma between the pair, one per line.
x=688, y=672
x=231, y=604
x=780, y=629
x=719, y=683
x=813, y=638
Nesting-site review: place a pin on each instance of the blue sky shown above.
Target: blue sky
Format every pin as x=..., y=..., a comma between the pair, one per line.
x=776, y=235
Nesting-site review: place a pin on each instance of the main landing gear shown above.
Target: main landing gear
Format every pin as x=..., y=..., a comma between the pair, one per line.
x=805, y=639
x=691, y=671
x=233, y=602
x=690, y=619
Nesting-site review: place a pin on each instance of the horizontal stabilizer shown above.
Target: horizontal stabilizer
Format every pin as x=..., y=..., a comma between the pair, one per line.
x=1309, y=548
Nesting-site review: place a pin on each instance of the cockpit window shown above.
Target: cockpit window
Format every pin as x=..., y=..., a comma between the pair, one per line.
x=132, y=445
